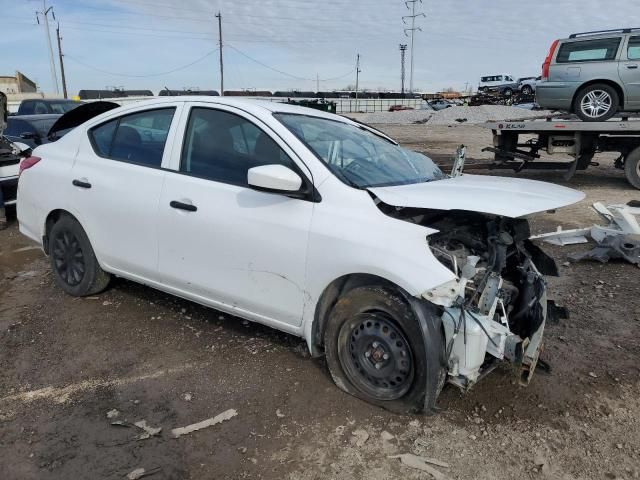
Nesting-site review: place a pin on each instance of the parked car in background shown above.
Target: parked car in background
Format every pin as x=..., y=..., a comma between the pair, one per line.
x=308, y=222
x=30, y=129
x=503, y=84
x=440, y=104
x=43, y=106
x=593, y=74
x=527, y=85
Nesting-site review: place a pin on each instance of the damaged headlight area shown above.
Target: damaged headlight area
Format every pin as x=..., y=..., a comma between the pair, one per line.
x=495, y=309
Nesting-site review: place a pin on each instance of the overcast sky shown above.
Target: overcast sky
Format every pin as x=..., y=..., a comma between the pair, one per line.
x=133, y=43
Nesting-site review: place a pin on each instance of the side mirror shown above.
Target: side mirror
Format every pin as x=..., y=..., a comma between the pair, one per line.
x=274, y=178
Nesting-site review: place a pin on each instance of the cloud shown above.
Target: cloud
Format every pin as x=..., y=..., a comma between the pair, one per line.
x=460, y=40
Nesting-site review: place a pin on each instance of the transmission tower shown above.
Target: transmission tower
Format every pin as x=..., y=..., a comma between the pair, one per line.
x=403, y=51
x=411, y=5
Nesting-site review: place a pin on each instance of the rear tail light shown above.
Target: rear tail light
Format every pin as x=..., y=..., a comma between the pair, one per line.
x=28, y=163
x=547, y=61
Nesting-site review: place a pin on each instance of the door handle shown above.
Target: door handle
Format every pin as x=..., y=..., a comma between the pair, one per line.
x=183, y=206
x=632, y=67
x=81, y=184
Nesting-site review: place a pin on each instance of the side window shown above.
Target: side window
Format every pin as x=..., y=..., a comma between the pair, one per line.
x=102, y=137
x=633, y=51
x=588, y=50
x=222, y=146
x=137, y=138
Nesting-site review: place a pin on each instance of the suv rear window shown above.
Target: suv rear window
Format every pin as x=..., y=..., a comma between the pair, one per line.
x=601, y=49
x=633, y=52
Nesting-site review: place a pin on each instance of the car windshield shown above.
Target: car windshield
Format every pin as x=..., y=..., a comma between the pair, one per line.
x=357, y=156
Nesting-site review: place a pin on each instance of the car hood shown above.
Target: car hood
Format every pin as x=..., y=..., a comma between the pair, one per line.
x=509, y=197
x=79, y=115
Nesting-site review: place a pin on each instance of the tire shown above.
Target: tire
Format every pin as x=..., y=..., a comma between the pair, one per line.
x=632, y=168
x=372, y=326
x=527, y=90
x=507, y=92
x=74, y=265
x=596, y=103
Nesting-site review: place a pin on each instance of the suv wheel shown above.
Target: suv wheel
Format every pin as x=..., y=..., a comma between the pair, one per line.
x=507, y=92
x=527, y=90
x=596, y=103
x=73, y=262
x=375, y=350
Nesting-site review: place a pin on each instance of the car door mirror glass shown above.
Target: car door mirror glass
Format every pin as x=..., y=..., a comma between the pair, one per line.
x=275, y=178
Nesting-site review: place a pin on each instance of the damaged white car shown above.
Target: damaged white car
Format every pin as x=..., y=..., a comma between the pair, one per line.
x=307, y=222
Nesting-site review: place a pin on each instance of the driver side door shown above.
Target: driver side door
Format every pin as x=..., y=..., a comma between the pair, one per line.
x=222, y=242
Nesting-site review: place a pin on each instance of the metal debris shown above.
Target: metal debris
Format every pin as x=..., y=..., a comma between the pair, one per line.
x=148, y=430
x=226, y=415
x=141, y=472
x=113, y=413
x=620, y=238
x=626, y=247
x=422, y=463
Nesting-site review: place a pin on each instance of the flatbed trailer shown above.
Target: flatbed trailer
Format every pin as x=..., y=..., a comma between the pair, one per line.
x=574, y=138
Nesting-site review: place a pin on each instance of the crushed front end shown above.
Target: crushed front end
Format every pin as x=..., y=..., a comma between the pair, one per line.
x=496, y=307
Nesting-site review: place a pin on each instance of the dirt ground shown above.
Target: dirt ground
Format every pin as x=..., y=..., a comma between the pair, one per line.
x=66, y=362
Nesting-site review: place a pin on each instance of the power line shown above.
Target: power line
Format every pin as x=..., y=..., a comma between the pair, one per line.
x=413, y=30
x=183, y=67
x=286, y=73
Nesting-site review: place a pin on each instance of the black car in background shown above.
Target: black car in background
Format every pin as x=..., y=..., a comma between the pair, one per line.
x=31, y=130
x=43, y=106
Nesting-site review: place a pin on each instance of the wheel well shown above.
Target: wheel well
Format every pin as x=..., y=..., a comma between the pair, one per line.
x=52, y=218
x=330, y=296
x=611, y=83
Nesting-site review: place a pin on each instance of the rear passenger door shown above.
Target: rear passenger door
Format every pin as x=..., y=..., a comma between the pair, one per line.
x=116, y=180
x=629, y=69
x=584, y=60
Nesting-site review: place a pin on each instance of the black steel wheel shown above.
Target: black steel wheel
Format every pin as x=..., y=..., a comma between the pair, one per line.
x=73, y=262
x=68, y=259
x=377, y=350
x=376, y=355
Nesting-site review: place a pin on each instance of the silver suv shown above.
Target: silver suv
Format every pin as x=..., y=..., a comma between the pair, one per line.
x=593, y=74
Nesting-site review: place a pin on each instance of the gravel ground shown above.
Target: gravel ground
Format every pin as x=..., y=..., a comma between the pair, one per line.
x=450, y=116
x=66, y=362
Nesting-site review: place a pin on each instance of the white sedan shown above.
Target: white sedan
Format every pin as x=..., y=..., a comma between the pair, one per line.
x=309, y=223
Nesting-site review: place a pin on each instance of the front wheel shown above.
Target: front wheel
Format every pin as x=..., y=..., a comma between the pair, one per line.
x=375, y=350
x=596, y=103
x=527, y=90
x=507, y=92
x=73, y=262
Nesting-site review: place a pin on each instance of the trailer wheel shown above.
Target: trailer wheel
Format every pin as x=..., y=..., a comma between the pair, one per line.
x=632, y=168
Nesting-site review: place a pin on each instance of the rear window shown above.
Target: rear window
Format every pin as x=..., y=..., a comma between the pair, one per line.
x=602, y=49
x=633, y=51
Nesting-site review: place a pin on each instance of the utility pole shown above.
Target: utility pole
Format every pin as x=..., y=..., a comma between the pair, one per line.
x=62, y=77
x=403, y=50
x=317, y=82
x=357, y=78
x=45, y=14
x=219, y=17
x=413, y=29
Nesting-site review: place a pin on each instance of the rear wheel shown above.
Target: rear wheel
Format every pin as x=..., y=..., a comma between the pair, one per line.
x=596, y=103
x=632, y=168
x=73, y=262
x=375, y=349
x=527, y=90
